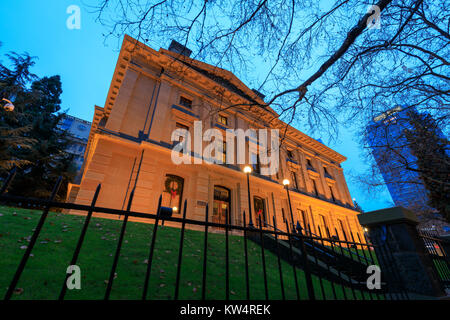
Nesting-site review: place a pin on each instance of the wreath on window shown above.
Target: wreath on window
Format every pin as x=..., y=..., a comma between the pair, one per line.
x=173, y=186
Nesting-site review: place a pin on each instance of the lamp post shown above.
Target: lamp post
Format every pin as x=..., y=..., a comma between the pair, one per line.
x=286, y=186
x=248, y=170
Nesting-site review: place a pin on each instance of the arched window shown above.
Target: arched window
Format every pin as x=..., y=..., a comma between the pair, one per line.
x=222, y=205
x=172, y=192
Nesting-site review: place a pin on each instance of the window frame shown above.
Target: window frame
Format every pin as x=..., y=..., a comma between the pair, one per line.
x=264, y=212
x=186, y=105
x=220, y=120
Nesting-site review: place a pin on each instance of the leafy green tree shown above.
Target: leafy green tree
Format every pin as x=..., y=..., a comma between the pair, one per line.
x=35, y=118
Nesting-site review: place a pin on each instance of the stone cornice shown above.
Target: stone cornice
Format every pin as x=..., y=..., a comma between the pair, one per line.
x=170, y=62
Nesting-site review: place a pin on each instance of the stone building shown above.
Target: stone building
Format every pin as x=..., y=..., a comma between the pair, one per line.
x=78, y=134
x=154, y=92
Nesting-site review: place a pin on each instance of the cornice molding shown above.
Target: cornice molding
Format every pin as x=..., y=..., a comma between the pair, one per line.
x=168, y=60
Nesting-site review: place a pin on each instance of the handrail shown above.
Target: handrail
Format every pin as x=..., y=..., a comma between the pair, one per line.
x=330, y=240
x=345, y=249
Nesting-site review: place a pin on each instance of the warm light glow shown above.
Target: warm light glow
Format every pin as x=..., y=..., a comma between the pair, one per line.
x=8, y=106
x=286, y=182
x=247, y=169
x=366, y=230
x=174, y=209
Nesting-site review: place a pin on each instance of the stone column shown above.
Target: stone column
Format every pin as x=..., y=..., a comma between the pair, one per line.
x=403, y=258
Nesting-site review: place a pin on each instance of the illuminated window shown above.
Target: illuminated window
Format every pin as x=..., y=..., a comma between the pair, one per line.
x=221, y=205
x=255, y=163
x=185, y=102
x=290, y=154
x=223, y=120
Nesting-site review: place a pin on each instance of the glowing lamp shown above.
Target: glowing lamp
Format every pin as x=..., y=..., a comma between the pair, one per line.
x=8, y=106
x=247, y=169
x=286, y=182
x=175, y=209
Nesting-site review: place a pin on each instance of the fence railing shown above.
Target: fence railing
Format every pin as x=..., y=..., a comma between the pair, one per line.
x=437, y=250
x=322, y=260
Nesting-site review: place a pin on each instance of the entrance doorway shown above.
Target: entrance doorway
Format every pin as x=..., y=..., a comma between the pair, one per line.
x=222, y=205
x=260, y=211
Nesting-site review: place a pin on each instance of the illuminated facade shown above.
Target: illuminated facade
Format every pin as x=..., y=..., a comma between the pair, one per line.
x=153, y=93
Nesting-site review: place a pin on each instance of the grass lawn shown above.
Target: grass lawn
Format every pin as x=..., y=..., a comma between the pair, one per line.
x=45, y=271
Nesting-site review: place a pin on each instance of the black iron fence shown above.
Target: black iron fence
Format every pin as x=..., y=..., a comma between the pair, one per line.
x=438, y=250
x=325, y=262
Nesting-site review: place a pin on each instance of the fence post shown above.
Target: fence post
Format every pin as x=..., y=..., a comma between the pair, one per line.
x=394, y=229
x=33, y=240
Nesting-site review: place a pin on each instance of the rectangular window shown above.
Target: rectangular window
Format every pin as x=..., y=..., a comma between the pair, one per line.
x=224, y=152
x=260, y=210
x=255, y=162
x=172, y=192
x=332, y=194
x=223, y=120
x=342, y=226
x=323, y=225
x=290, y=154
x=304, y=219
x=327, y=173
x=294, y=179
x=185, y=102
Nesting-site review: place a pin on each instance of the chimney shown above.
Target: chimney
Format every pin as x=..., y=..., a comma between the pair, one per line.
x=259, y=94
x=179, y=48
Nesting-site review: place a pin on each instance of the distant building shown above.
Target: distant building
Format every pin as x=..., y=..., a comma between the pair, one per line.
x=78, y=130
x=393, y=155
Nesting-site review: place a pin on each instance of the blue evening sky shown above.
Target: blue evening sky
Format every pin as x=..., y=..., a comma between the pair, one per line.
x=86, y=65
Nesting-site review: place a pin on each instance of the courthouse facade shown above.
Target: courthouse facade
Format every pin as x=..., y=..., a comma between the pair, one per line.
x=153, y=93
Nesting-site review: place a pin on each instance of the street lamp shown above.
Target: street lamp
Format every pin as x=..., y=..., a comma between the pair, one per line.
x=247, y=171
x=8, y=106
x=286, y=186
